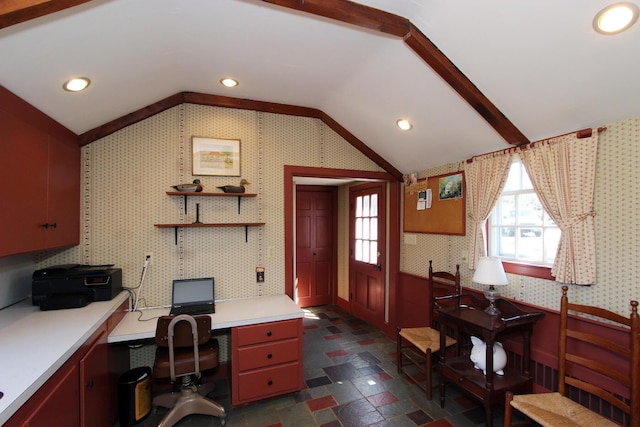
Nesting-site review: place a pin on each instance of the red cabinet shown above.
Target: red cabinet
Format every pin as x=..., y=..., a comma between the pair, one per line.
x=40, y=174
x=58, y=401
x=94, y=384
x=266, y=360
x=83, y=392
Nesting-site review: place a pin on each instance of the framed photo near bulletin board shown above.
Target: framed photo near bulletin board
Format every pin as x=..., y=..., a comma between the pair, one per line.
x=215, y=156
x=445, y=195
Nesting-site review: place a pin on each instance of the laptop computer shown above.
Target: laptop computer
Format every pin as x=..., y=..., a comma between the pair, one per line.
x=192, y=296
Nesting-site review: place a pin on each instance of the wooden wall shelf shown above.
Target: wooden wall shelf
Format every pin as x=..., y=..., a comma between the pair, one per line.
x=246, y=226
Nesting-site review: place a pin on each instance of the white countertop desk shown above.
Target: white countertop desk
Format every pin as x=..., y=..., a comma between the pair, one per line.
x=229, y=313
x=34, y=344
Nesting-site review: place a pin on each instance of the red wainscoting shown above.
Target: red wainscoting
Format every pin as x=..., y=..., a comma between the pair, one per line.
x=412, y=302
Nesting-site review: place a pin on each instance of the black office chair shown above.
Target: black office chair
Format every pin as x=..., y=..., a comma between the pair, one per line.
x=184, y=349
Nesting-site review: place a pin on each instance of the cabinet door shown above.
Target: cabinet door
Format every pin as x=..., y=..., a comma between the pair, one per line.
x=60, y=406
x=23, y=172
x=63, y=198
x=94, y=386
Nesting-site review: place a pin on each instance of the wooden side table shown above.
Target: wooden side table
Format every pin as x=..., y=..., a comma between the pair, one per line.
x=459, y=370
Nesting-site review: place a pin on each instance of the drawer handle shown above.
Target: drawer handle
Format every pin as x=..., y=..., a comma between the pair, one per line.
x=269, y=356
x=269, y=333
x=90, y=383
x=269, y=383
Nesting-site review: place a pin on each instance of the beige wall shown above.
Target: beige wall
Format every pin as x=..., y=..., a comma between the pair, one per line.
x=617, y=223
x=126, y=175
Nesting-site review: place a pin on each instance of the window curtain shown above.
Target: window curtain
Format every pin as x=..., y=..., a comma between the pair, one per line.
x=485, y=177
x=563, y=171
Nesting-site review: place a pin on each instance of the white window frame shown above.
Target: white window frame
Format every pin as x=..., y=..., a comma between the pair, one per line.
x=505, y=225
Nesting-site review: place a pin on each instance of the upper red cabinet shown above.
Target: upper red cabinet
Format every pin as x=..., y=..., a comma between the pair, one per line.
x=40, y=176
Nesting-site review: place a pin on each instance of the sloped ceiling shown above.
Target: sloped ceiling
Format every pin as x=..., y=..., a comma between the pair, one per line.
x=525, y=70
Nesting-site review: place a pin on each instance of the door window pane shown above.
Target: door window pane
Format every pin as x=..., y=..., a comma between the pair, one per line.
x=373, y=253
x=366, y=229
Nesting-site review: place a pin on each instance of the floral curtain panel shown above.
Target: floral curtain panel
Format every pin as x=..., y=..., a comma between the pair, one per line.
x=563, y=171
x=485, y=177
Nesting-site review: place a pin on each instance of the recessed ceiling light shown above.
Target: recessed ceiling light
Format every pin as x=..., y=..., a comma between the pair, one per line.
x=615, y=18
x=404, y=124
x=229, y=82
x=76, y=84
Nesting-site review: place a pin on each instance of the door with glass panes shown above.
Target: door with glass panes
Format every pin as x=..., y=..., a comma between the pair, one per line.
x=367, y=258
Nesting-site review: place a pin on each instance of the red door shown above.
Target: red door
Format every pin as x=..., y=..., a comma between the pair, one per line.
x=315, y=245
x=367, y=258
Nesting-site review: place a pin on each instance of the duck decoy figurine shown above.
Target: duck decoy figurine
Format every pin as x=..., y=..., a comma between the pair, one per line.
x=235, y=188
x=194, y=187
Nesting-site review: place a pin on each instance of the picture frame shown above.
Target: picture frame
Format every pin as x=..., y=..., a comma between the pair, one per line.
x=215, y=156
x=450, y=187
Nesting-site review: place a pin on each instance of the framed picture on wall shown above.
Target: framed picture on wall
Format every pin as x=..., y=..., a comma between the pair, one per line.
x=450, y=187
x=215, y=156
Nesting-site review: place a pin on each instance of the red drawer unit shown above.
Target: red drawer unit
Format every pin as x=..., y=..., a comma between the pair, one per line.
x=266, y=360
x=267, y=382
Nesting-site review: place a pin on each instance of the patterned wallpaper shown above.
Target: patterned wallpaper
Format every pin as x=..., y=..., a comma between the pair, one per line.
x=617, y=223
x=126, y=176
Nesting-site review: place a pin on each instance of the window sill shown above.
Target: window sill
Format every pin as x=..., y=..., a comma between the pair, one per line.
x=536, y=271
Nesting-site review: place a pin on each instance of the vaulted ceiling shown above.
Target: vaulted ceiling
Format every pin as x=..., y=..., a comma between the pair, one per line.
x=472, y=76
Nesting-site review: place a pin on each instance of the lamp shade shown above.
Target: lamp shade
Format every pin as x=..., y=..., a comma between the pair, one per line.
x=490, y=272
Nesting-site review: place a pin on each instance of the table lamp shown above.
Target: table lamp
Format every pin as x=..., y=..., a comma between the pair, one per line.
x=490, y=272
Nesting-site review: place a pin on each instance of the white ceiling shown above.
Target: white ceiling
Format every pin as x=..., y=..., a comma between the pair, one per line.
x=539, y=62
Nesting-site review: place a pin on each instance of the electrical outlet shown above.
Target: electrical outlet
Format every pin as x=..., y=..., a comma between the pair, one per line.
x=148, y=257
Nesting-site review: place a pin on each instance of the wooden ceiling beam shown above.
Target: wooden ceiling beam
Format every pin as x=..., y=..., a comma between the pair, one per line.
x=366, y=17
x=129, y=119
x=16, y=11
x=249, y=104
x=243, y=104
x=446, y=69
x=351, y=13
x=362, y=147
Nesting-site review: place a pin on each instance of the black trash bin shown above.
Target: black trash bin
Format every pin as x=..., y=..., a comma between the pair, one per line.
x=134, y=396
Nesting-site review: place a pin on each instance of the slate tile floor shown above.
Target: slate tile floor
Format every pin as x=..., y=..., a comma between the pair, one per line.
x=351, y=378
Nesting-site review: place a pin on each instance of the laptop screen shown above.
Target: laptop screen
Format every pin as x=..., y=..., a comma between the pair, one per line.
x=192, y=291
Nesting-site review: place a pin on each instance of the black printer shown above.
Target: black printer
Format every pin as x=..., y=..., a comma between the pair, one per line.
x=74, y=285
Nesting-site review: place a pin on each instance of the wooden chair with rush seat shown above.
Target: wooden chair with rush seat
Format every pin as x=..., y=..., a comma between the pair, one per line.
x=583, y=354
x=184, y=349
x=418, y=345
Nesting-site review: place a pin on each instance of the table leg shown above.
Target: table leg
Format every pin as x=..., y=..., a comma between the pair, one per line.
x=443, y=356
x=488, y=412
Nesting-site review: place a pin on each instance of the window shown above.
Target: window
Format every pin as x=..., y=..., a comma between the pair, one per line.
x=367, y=229
x=519, y=228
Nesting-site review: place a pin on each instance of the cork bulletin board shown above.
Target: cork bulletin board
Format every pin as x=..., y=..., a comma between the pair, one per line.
x=448, y=209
